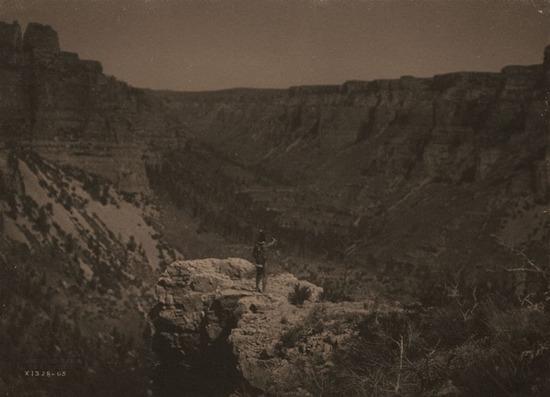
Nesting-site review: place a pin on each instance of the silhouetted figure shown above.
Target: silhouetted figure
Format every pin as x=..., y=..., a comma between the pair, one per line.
x=260, y=257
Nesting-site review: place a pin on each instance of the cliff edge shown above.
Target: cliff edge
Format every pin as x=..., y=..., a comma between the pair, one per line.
x=214, y=335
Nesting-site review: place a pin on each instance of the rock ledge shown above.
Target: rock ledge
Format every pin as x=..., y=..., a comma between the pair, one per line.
x=210, y=324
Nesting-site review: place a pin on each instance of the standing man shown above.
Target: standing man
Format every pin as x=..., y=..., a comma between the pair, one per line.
x=260, y=257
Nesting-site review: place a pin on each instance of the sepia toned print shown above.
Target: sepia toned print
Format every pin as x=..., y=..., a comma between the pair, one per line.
x=274, y=198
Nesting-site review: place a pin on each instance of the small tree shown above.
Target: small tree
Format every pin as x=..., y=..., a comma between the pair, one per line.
x=132, y=245
x=42, y=224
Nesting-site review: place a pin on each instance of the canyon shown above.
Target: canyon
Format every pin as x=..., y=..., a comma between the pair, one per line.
x=393, y=183
x=318, y=165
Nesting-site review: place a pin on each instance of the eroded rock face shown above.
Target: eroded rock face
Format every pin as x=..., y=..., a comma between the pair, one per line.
x=312, y=164
x=66, y=109
x=215, y=335
x=348, y=162
x=41, y=37
x=10, y=37
x=450, y=127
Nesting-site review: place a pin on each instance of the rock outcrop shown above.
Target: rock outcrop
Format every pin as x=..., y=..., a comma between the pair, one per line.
x=10, y=35
x=69, y=111
x=41, y=38
x=215, y=335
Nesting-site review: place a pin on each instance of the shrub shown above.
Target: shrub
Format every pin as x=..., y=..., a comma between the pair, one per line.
x=293, y=335
x=93, y=186
x=66, y=200
x=131, y=245
x=336, y=290
x=513, y=360
x=70, y=243
x=299, y=295
x=42, y=223
x=380, y=361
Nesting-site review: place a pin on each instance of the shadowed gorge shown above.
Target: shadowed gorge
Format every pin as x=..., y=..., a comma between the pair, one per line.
x=412, y=210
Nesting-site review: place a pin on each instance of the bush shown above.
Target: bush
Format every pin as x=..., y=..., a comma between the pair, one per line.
x=299, y=295
x=312, y=324
x=131, y=245
x=292, y=336
x=336, y=290
x=66, y=200
x=42, y=223
x=513, y=360
x=380, y=361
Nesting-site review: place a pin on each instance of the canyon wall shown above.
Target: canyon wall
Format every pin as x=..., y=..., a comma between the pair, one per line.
x=68, y=110
x=331, y=168
x=447, y=124
x=453, y=125
x=390, y=168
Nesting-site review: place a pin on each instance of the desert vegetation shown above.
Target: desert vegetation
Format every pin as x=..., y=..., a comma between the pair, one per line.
x=38, y=327
x=465, y=339
x=299, y=294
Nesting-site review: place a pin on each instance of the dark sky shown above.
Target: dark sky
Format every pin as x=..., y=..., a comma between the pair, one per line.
x=211, y=44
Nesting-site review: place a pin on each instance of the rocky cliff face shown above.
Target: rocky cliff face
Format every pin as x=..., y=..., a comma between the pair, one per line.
x=390, y=171
x=69, y=111
x=41, y=38
x=453, y=125
x=446, y=123
x=78, y=261
x=382, y=170
x=214, y=335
